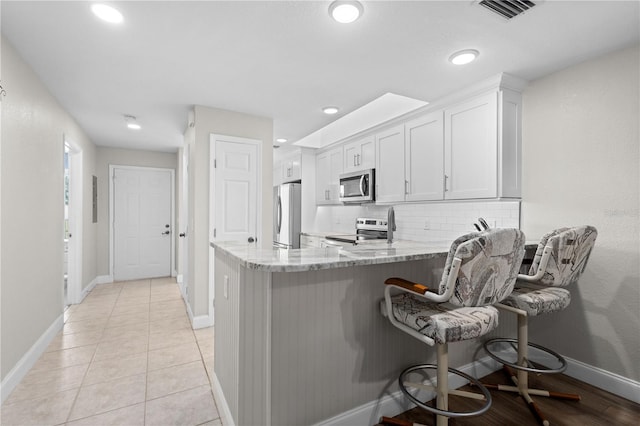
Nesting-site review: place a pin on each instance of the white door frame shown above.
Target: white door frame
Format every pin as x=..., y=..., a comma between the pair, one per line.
x=183, y=277
x=74, y=255
x=213, y=137
x=112, y=168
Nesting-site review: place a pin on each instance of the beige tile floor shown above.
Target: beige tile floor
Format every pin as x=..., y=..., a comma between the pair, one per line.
x=127, y=356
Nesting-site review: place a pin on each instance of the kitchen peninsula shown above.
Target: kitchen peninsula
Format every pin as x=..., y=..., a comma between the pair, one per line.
x=299, y=335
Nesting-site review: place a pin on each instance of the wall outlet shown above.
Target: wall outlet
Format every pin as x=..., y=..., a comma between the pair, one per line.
x=427, y=225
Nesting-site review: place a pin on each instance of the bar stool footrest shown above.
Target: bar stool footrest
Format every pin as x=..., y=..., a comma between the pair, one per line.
x=473, y=381
x=546, y=370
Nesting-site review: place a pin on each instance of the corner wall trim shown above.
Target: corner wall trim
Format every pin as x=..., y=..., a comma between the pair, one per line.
x=221, y=403
x=200, y=321
x=22, y=367
x=104, y=279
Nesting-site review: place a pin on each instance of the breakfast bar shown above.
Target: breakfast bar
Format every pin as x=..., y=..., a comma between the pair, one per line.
x=299, y=335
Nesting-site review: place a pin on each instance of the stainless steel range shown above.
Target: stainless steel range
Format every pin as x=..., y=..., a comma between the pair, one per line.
x=367, y=230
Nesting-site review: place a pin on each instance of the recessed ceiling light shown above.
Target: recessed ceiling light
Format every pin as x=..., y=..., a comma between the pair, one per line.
x=463, y=57
x=345, y=12
x=281, y=140
x=131, y=122
x=330, y=110
x=107, y=13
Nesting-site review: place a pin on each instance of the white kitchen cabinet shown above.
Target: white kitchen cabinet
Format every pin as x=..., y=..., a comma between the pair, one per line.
x=360, y=154
x=482, y=147
x=390, y=181
x=328, y=170
x=289, y=167
x=410, y=161
x=424, y=158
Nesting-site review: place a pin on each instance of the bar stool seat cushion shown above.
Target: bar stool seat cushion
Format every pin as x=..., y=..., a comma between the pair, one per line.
x=539, y=301
x=444, y=324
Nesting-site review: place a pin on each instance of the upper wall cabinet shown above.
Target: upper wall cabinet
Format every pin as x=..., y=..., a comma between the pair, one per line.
x=328, y=170
x=291, y=169
x=288, y=168
x=390, y=182
x=360, y=154
x=409, y=164
x=424, y=164
x=482, y=147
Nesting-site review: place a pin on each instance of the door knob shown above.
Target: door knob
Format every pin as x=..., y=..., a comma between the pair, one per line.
x=251, y=239
x=182, y=234
x=166, y=232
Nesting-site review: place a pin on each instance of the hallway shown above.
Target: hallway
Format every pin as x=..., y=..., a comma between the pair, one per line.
x=126, y=355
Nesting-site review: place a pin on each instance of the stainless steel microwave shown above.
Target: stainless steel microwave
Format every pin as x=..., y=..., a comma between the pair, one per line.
x=358, y=187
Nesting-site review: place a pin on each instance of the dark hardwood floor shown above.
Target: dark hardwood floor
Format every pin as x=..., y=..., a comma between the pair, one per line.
x=597, y=407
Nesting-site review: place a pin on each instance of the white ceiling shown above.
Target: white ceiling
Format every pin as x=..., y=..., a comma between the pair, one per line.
x=287, y=59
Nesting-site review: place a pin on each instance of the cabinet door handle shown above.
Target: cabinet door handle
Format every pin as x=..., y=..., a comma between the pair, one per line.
x=354, y=160
x=407, y=188
x=358, y=159
x=446, y=178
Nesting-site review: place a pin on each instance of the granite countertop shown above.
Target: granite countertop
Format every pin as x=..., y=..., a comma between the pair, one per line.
x=309, y=259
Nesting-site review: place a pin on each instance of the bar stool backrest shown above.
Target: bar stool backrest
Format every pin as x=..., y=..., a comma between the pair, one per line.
x=570, y=250
x=490, y=263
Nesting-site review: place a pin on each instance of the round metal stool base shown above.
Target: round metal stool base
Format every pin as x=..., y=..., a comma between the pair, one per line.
x=561, y=360
x=437, y=411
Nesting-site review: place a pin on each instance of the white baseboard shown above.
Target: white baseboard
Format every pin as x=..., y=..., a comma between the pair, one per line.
x=17, y=373
x=87, y=289
x=393, y=404
x=221, y=403
x=104, y=279
x=603, y=379
x=201, y=321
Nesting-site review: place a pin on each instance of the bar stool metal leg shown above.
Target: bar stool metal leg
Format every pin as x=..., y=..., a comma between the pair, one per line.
x=520, y=377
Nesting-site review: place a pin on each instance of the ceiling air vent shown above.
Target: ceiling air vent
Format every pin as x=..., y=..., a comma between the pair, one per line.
x=508, y=8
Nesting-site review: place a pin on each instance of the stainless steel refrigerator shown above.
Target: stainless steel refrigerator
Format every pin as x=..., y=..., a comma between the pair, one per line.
x=286, y=215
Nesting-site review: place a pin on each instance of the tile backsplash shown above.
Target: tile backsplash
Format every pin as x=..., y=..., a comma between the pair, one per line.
x=422, y=221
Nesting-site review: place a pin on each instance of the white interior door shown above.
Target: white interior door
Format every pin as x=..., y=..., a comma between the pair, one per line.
x=235, y=194
x=142, y=223
x=234, y=198
x=73, y=222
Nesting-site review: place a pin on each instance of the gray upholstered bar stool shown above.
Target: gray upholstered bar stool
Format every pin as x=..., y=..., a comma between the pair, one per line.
x=560, y=259
x=480, y=270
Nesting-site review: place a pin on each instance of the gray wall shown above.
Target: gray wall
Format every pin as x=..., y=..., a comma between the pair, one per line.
x=229, y=123
x=121, y=157
x=33, y=128
x=580, y=166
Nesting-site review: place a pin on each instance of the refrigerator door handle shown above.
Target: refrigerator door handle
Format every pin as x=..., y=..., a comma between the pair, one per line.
x=279, y=214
